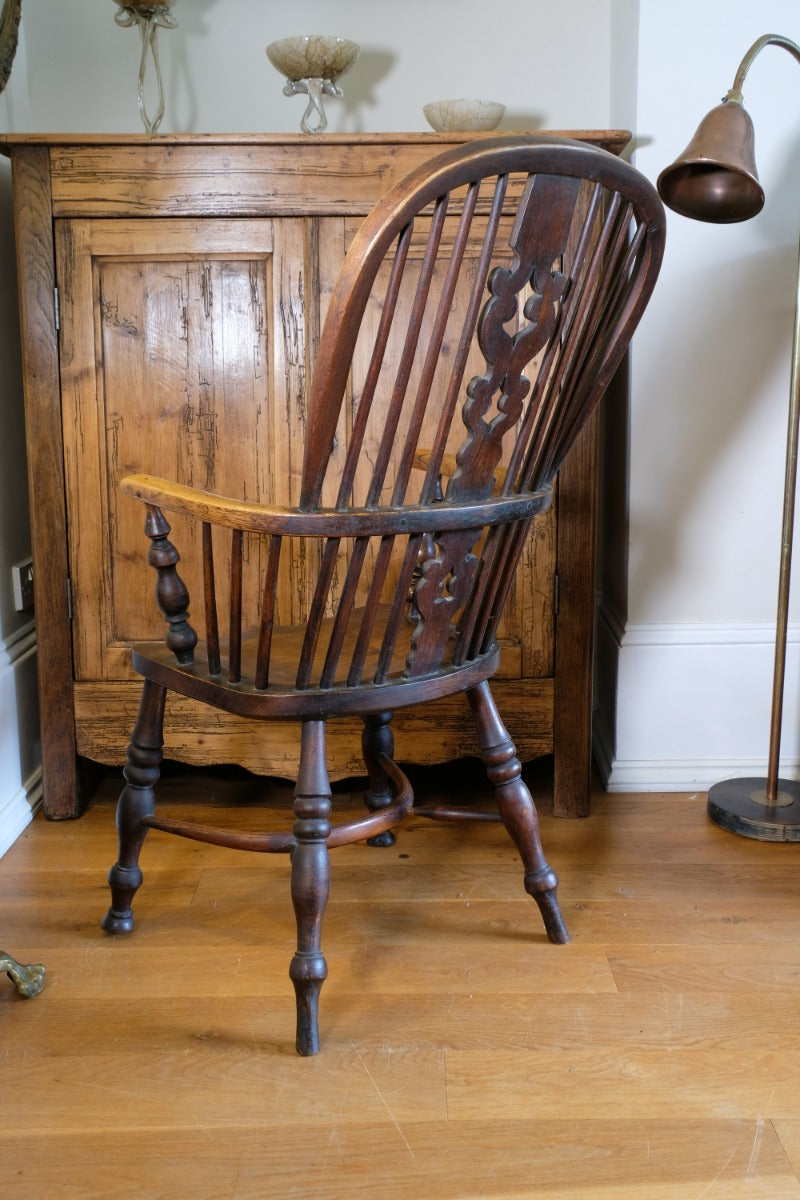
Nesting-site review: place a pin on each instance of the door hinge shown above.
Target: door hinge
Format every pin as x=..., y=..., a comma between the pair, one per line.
x=556, y=594
x=57, y=309
x=69, y=599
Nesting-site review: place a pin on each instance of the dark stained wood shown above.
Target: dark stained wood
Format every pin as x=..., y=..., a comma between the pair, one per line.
x=311, y=876
x=136, y=803
x=568, y=248
x=516, y=808
x=572, y=707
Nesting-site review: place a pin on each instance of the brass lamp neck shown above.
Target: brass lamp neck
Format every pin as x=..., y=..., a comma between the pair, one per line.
x=769, y=39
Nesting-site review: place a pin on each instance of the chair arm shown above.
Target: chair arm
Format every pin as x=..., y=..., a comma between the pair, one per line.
x=352, y=522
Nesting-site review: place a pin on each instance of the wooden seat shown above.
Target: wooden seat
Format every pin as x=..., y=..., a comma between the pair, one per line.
x=497, y=289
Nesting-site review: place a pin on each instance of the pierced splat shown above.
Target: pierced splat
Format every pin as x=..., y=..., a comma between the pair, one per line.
x=537, y=248
x=445, y=583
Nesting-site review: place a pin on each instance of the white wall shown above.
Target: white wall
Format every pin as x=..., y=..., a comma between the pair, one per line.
x=218, y=78
x=709, y=396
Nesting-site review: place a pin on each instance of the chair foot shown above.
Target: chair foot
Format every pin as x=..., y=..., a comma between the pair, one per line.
x=124, y=882
x=541, y=885
x=387, y=838
x=307, y=989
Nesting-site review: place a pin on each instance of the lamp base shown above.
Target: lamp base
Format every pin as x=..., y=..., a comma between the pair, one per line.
x=740, y=805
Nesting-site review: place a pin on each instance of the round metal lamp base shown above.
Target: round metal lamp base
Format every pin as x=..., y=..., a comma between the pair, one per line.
x=740, y=805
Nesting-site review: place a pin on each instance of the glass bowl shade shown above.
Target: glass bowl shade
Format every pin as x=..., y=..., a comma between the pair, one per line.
x=447, y=115
x=312, y=56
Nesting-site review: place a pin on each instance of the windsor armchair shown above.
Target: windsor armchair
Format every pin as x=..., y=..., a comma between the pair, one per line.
x=422, y=476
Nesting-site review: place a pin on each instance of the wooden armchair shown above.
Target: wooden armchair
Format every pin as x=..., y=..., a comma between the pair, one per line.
x=420, y=482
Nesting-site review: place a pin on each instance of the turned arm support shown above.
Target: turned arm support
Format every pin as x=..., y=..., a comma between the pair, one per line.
x=171, y=592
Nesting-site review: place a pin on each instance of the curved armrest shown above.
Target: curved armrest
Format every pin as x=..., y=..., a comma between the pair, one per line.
x=352, y=522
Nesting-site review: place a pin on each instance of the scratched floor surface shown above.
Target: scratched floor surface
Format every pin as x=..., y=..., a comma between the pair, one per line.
x=657, y=1055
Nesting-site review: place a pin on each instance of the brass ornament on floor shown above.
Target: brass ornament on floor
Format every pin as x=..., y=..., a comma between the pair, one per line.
x=28, y=980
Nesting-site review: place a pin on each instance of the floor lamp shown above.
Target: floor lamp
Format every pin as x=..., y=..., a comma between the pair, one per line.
x=715, y=180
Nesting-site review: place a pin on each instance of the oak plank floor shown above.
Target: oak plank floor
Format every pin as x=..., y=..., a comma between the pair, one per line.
x=463, y=1056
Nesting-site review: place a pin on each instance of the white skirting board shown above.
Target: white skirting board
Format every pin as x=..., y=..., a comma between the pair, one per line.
x=681, y=707
x=17, y=811
x=20, y=758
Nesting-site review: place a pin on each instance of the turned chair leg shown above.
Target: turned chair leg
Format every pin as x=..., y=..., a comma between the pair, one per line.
x=376, y=739
x=517, y=808
x=310, y=881
x=136, y=802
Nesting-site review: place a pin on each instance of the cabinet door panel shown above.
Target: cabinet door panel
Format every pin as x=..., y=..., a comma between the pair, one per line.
x=172, y=340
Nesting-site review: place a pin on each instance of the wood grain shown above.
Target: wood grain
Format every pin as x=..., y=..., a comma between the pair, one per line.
x=212, y=208
x=33, y=228
x=655, y=1056
x=133, y=176
x=434, y=733
x=667, y=1160
x=183, y=338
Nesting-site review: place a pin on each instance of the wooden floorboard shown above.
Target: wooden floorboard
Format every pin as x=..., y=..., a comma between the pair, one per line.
x=463, y=1056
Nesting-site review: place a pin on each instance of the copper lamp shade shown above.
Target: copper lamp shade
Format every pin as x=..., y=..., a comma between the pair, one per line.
x=715, y=178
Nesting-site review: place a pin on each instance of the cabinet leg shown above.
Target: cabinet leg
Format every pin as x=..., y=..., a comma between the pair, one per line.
x=517, y=808
x=310, y=881
x=376, y=739
x=136, y=801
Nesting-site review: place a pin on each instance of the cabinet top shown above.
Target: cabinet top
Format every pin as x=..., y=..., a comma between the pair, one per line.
x=135, y=175
x=611, y=139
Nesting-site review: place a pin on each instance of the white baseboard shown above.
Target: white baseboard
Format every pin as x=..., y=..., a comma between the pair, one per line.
x=20, y=758
x=681, y=707
x=17, y=811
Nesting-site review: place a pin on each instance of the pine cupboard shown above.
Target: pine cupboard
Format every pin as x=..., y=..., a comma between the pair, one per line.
x=172, y=290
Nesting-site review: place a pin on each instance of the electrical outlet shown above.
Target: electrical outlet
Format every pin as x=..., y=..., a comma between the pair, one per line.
x=22, y=581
